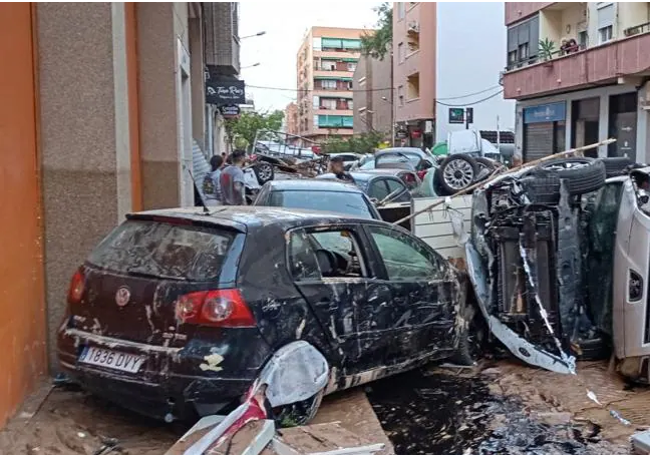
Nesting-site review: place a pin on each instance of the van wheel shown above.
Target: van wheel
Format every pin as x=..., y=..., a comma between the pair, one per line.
x=300, y=413
x=582, y=175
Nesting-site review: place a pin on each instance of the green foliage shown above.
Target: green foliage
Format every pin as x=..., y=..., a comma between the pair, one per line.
x=546, y=49
x=241, y=131
x=362, y=143
x=377, y=42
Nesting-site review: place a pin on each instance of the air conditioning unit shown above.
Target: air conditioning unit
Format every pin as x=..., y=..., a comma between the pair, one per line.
x=414, y=27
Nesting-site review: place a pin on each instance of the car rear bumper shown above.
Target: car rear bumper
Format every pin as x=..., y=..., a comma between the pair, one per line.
x=165, y=386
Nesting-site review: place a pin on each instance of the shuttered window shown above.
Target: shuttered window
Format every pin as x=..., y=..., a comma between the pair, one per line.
x=333, y=43
x=523, y=36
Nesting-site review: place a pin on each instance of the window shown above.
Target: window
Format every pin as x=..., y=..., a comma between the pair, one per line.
x=583, y=39
x=400, y=52
x=350, y=105
x=523, y=37
x=349, y=85
x=329, y=254
x=413, y=88
x=378, y=189
x=328, y=65
x=352, y=66
x=316, y=121
x=315, y=104
x=332, y=43
x=351, y=44
x=316, y=44
x=605, y=22
x=327, y=103
x=605, y=34
x=400, y=11
x=328, y=84
x=522, y=51
x=396, y=187
x=512, y=58
x=404, y=257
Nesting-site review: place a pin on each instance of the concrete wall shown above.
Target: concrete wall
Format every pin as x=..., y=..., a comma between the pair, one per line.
x=631, y=14
x=84, y=148
x=22, y=324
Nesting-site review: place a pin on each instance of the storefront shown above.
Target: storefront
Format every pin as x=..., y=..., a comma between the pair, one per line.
x=544, y=130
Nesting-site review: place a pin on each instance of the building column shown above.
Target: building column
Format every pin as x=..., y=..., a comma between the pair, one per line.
x=603, y=124
x=85, y=137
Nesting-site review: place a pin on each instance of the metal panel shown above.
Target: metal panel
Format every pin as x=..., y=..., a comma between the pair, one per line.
x=606, y=16
x=512, y=39
x=434, y=227
x=538, y=140
x=533, y=47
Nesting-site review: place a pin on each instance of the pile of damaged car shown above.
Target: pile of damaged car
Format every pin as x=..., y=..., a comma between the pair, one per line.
x=314, y=289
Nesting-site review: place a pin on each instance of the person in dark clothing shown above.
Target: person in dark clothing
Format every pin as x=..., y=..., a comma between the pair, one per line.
x=337, y=167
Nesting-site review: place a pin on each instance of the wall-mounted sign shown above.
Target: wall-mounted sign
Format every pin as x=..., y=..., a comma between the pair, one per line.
x=230, y=111
x=401, y=134
x=456, y=115
x=552, y=112
x=224, y=92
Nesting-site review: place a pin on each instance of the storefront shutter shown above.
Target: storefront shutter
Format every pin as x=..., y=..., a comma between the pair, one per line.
x=538, y=140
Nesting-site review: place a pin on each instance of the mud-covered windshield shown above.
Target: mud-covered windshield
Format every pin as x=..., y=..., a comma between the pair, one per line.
x=164, y=250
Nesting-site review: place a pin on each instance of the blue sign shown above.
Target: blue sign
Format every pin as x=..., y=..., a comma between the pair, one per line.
x=553, y=112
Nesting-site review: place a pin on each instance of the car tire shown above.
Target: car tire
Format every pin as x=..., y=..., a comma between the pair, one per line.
x=616, y=166
x=485, y=163
x=264, y=172
x=586, y=177
x=457, y=172
x=300, y=413
x=594, y=349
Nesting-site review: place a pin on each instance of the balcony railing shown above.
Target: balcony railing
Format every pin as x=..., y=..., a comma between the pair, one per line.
x=637, y=29
x=545, y=57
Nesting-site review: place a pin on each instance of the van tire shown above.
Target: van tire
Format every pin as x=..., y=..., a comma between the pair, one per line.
x=616, y=166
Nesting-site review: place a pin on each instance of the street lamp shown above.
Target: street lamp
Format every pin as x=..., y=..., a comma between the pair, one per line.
x=251, y=36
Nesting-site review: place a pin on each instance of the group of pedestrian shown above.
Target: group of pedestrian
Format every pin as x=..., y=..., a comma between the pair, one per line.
x=225, y=184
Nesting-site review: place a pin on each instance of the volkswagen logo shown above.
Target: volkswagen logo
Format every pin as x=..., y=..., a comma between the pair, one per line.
x=122, y=296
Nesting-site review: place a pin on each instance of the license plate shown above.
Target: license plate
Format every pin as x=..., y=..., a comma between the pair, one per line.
x=112, y=359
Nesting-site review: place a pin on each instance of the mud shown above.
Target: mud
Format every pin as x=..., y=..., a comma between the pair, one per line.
x=437, y=412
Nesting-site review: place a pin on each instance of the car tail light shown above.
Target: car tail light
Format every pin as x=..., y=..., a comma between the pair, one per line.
x=422, y=174
x=316, y=149
x=76, y=287
x=635, y=286
x=222, y=308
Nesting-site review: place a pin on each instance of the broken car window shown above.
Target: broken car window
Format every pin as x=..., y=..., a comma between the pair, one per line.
x=164, y=250
x=403, y=257
x=326, y=254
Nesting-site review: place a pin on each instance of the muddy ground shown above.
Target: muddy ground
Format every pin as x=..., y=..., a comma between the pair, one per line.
x=501, y=407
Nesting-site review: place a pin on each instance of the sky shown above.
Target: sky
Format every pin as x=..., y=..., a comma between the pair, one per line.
x=285, y=24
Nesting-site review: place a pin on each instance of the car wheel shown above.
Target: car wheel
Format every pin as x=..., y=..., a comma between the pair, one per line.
x=457, y=172
x=300, y=413
x=264, y=172
x=582, y=175
x=485, y=163
x=616, y=166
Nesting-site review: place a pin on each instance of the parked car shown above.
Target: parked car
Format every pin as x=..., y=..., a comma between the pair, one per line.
x=401, y=158
x=379, y=184
x=337, y=197
x=177, y=311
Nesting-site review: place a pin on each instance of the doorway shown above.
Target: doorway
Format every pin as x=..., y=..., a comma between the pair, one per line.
x=585, y=115
x=622, y=125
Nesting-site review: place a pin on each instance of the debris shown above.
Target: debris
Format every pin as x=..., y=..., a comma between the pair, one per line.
x=212, y=363
x=641, y=443
x=325, y=439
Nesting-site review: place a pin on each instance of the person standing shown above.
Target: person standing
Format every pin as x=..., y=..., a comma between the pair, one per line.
x=232, y=181
x=212, y=182
x=337, y=167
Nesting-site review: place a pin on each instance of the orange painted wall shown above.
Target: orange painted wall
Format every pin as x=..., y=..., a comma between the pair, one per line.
x=22, y=312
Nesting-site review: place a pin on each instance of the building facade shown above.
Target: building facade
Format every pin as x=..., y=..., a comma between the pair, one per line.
x=326, y=62
x=586, y=83
x=373, y=95
x=414, y=72
x=291, y=119
x=98, y=118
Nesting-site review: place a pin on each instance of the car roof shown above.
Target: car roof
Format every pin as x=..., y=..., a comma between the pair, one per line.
x=246, y=218
x=312, y=185
x=406, y=150
x=364, y=175
x=386, y=171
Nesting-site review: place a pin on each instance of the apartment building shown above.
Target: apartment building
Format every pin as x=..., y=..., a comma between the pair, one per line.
x=99, y=115
x=326, y=62
x=579, y=73
x=373, y=95
x=291, y=119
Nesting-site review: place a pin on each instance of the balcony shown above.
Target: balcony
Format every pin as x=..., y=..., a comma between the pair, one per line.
x=562, y=71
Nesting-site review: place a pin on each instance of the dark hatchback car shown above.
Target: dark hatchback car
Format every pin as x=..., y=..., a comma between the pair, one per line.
x=328, y=196
x=379, y=184
x=177, y=311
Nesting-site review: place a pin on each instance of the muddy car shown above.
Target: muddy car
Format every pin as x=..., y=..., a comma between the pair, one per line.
x=540, y=258
x=176, y=312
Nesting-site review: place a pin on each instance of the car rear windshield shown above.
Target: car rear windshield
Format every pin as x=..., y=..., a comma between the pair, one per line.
x=329, y=201
x=400, y=157
x=164, y=250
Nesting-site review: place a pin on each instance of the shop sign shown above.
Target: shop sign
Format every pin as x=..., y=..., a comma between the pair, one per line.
x=225, y=92
x=230, y=111
x=553, y=112
x=401, y=134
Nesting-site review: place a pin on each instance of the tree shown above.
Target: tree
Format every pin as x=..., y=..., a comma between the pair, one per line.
x=376, y=43
x=242, y=130
x=362, y=143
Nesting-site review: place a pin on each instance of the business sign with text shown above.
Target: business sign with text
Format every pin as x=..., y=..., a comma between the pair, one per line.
x=222, y=92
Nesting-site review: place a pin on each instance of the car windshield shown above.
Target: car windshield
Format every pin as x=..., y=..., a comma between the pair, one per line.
x=329, y=201
x=400, y=157
x=164, y=250
x=368, y=165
